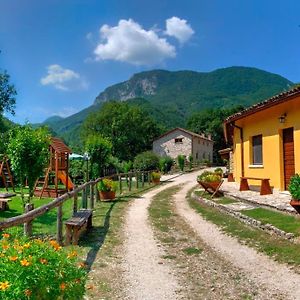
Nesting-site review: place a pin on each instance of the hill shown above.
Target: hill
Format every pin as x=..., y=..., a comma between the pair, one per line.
x=171, y=97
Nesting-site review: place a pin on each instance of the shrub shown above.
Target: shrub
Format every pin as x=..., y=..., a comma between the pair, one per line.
x=181, y=160
x=36, y=269
x=107, y=185
x=294, y=187
x=207, y=176
x=77, y=169
x=146, y=161
x=155, y=175
x=191, y=159
x=165, y=164
x=219, y=171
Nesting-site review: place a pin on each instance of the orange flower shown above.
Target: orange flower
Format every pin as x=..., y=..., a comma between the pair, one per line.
x=43, y=261
x=55, y=245
x=5, y=235
x=13, y=258
x=28, y=293
x=5, y=246
x=81, y=265
x=72, y=254
x=25, y=263
x=4, y=285
x=62, y=286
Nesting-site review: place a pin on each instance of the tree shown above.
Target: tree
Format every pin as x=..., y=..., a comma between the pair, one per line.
x=28, y=151
x=128, y=127
x=210, y=121
x=99, y=150
x=7, y=94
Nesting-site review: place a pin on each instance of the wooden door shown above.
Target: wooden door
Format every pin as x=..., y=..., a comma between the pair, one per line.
x=288, y=155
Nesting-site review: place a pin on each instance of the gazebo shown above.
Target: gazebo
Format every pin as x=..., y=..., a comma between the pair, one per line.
x=59, y=166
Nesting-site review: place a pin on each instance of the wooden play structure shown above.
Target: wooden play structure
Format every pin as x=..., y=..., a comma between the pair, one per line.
x=5, y=173
x=57, y=171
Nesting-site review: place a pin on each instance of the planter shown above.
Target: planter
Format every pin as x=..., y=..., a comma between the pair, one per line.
x=156, y=181
x=111, y=195
x=230, y=177
x=212, y=185
x=296, y=205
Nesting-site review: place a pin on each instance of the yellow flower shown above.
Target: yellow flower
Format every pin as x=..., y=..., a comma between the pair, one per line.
x=5, y=235
x=25, y=263
x=4, y=285
x=27, y=245
x=5, y=246
x=72, y=254
x=38, y=241
x=13, y=258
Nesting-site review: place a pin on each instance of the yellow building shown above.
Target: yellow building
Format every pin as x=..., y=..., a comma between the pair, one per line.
x=265, y=139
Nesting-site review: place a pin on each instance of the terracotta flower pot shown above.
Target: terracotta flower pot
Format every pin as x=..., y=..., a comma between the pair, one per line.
x=296, y=205
x=156, y=180
x=107, y=195
x=212, y=185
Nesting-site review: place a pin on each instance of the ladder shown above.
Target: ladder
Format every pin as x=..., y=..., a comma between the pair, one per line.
x=6, y=174
x=44, y=181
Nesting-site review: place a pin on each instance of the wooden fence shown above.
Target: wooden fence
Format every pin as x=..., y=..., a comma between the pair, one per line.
x=89, y=193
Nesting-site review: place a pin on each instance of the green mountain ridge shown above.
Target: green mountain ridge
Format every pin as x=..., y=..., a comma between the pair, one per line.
x=172, y=96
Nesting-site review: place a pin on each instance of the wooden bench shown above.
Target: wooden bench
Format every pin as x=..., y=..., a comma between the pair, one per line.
x=265, y=188
x=81, y=220
x=4, y=204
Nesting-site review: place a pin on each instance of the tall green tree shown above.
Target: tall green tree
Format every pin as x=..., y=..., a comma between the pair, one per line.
x=210, y=121
x=130, y=129
x=99, y=150
x=7, y=94
x=28, y=151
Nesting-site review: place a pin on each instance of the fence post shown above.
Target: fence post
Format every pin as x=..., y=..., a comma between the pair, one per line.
x=137, y=180
x=129, y=187
x=97, y=193
x=75, y=202
x=59, y=236
x=28, y=225
x=84, y=198
x=143, y=179
x=149, y=177
x=120, y=184
x=92, y=196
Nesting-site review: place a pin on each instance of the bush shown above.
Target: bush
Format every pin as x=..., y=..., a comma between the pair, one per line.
x=36, y=269
x=107, y=185
x=155, y=175
x=146, y=161
x=219, y=171
x=77, y=170
x=181, y=161
x=165, y=164
x=294, y=187
x=207, y=176
x=191, y=159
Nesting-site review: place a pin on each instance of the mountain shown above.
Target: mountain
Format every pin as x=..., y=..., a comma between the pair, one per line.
x=170, y=97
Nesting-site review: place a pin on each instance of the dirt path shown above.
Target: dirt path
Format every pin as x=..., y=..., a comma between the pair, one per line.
x=277, y=280
x=145, y=275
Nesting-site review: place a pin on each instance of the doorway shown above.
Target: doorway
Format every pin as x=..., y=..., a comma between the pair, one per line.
x=288, y=155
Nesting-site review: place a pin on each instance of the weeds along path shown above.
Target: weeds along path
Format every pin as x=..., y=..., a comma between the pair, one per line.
x=276, y=280
x=145, y=275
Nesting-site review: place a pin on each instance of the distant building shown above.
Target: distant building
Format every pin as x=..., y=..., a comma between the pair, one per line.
x=181, y=141
x=265, y=139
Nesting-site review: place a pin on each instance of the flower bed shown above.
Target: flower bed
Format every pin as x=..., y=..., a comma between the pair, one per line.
x=37, y=269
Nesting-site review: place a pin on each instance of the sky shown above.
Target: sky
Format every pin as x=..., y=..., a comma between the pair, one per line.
x=61, y=54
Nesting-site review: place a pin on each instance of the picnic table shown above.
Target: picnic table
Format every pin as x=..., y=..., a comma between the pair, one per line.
x=4, y=199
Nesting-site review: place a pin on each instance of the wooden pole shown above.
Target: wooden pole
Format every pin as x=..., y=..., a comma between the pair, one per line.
x=129, y=187
x=97, y=193
x=137, y=179
x=143, y=179
x=28, y=225
x=56, y=174
x=92, y=196
x=84, y=198
x=120, y=184
x=59, y=236
x=75, y=203
x=149, y=177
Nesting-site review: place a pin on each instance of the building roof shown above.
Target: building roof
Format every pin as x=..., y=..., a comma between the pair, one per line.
x=275, y=100
x=186, y=131
x=59, y=146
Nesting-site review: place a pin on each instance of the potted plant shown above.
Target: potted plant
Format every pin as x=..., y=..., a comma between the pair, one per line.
x=155, y=177
x=294, y=189
x=107, y=189
x=209, y=179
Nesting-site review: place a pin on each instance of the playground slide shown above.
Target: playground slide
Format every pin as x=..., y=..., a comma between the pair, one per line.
x=63, y=177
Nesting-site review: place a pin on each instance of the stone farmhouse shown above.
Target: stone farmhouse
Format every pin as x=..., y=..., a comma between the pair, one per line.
x=181, y=141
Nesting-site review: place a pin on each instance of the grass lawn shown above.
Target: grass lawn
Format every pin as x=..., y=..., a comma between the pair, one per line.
x=220, y=200
x=282, y=221
x=280, y=249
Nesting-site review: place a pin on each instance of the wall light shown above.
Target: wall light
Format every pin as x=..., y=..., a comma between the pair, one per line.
x=282, y=118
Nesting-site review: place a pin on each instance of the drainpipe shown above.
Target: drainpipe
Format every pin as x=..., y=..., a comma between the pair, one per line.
x=242, y=147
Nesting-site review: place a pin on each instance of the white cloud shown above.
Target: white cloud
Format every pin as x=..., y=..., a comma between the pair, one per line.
x=63, y=79
x=179, y=29
x=129, y=42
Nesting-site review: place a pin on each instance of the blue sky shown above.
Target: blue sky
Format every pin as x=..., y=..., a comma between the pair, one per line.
x=62, y=53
